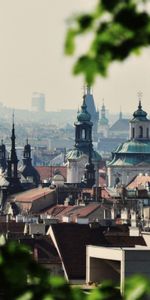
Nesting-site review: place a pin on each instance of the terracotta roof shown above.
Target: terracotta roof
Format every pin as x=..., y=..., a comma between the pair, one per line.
x=85, y=211
x=105, y=194
x=32, y=195
x=47, y=172
x=139, y=181
x=102, y=181
x=58, y=210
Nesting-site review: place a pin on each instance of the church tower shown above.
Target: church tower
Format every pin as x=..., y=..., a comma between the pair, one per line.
x=27, y=170
x=12, y=165
x=83, y=153
x=103, y=123
x=83, y=129
x=139, y=125
x=133, y=156
x=27, y=154
x=90, y=103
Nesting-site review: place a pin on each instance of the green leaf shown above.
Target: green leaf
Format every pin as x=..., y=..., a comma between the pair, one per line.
x=136, y=287
x=70, y=42
x=88, y=67
x=85, y=21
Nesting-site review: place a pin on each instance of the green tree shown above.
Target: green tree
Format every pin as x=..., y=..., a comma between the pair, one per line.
x=21, y=278
x=119, y=29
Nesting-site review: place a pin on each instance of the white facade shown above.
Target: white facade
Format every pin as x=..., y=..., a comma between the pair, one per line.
x=116, y=264
x=133, y=156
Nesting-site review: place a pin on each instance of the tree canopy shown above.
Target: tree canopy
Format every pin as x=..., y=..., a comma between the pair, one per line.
x=22, y=278
x=119, y=28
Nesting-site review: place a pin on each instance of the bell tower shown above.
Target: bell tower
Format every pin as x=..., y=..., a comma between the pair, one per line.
x=83, y=129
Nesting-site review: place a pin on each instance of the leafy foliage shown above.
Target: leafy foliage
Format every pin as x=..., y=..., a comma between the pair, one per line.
x=21, y=278
x=119, y=27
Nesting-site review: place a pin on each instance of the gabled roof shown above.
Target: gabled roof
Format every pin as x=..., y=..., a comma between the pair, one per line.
x=47, y=172
x=71, y=240
x=32, y=195
x=139, y=181
x=85, y=211
x=44, y=249
x=120, y=125
x=58, y=211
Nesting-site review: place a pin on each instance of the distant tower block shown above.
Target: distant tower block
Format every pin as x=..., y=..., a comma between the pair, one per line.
x=38, y=102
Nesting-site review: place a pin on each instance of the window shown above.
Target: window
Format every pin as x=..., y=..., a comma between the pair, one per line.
x=83, y=134
x=147, y=132
x=140, y=131
x=133, y=132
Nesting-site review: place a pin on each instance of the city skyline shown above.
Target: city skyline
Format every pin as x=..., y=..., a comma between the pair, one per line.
x=32, y=60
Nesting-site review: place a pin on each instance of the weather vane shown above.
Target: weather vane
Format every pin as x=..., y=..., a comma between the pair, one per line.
x=140, y=95
x=84, y=89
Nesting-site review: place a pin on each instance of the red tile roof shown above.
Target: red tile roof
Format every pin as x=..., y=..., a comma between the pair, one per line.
x=46, y=172
x=32, y=195
x=85, y=211
x=139, y=181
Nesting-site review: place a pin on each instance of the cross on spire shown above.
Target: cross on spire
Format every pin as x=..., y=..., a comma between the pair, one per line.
x=140, y=94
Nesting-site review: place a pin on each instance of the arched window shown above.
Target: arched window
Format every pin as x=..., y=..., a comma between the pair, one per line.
x=140, y=131
x=83, y=134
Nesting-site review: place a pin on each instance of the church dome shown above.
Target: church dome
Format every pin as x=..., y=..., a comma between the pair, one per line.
x=74, y=154
x=139, y=114
x=83, y=116
x=134, y=146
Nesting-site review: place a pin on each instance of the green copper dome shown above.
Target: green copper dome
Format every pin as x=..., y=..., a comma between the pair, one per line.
x=134, y=146
x=139, y=114
x=83, y=116
x=131, y=153
x=76, y=154
x=103, y=121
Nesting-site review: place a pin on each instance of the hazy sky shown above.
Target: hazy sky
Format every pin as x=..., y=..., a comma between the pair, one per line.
x=32, y=60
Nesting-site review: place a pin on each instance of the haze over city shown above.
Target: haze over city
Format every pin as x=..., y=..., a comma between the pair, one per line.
x=32, y=59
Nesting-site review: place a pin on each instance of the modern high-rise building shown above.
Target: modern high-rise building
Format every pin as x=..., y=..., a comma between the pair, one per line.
x=38, y=102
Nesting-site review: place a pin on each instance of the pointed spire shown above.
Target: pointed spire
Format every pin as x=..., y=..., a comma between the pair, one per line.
x=120, y=114
x=140, y=94
x=13, y=137
x=88, y=90
x=103, y=104
x=140, y=105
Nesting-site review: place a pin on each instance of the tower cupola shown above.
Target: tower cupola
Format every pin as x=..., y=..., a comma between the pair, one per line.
x=139, y=125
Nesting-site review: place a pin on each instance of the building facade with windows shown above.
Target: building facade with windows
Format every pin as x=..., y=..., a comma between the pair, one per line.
x=133, y=156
